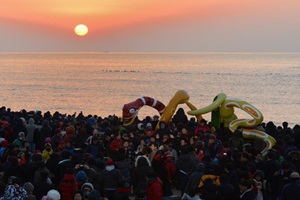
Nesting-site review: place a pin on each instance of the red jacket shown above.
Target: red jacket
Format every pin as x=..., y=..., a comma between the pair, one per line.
x=67, y=186
x=116, y=144
x=154, y=189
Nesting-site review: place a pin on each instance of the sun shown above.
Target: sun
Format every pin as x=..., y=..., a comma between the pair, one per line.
x=81, y=29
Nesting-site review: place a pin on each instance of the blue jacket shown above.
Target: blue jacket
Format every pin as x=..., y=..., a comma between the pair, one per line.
x=291, y=191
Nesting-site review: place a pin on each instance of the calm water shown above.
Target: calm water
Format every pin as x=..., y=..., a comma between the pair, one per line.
x=101, y=83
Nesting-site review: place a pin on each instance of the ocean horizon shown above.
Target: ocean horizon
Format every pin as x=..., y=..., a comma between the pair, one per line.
x=102, y=82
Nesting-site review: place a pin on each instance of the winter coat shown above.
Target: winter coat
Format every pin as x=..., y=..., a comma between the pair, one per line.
x=142, y=167
x=46, y=131
x=14, y=193
x=67, y=186
x=291, y=191
x=111, y=178
x=30, y=130
x=154, y=189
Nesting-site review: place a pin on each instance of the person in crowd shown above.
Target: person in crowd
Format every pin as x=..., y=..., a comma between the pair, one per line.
x=115, y=145
x=14, y=191
x=111, y=178
x=185, y=165
x=149, y=131
x=96, y=147
x=86, y=188
x=47, y=152
x=194, y=180
x=226, y=190
x=77, y=195
x=141, y=148
x=42, y=186
x=202, y=127
x=180, y=118
x=237, y=140
x=154, y=150
x=291, y=191
x=45, y=131
x=142, y=166
x=154, y=187
x=20, y=141
x=247, y=192
x=52, y=195
x=29, y=190
x=162, y=130
x=31, y=128
x=68, y=185
x=270, y=166
x=57, y=138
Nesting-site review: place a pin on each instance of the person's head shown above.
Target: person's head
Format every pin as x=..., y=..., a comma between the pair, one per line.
x=184, y=131
x=86, y=188
x=183, y=141
x=244, y=185
x=162, y=125
x=244, y=157
x=149, y=126
x=202, y=122
x=212, y=138
x=152, y=139
x=285, y=124
x=125, y=144
x=10, y=180
x=77, y=195
x=259, y=175
x=142, y=142
x=153, y=146
x=81, y=176
x=53, y=195
x=294, y=176
x=94, y=195
x=21, y=136
x=192, y=140
x=28, y=187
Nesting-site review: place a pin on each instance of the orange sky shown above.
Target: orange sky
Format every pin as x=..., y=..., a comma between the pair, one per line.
x=156, y=25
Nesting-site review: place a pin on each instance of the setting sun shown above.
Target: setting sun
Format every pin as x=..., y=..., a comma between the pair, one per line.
x=81, y=29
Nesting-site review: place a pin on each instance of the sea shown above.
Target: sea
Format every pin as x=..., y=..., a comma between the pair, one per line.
x=100, y=83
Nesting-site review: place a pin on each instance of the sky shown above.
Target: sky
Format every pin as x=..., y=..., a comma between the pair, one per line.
x=150, y=25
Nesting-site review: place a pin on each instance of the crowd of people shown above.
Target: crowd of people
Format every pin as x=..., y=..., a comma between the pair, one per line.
x=54, y=156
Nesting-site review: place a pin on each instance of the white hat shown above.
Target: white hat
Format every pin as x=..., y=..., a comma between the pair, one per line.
x=295, y=175
x=53, y=195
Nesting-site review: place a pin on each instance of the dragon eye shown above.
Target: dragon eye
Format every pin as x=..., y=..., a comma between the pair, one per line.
x=132, y=111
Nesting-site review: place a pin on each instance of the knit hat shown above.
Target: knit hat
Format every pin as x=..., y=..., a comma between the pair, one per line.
x=87, y=185
x=149, y=125
x=94, y=195
x=21, y=134
x=53, y=195
x=81, y=176
x=48, y=139
x=109, y=162
x=28, y=187
x=295, y=175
